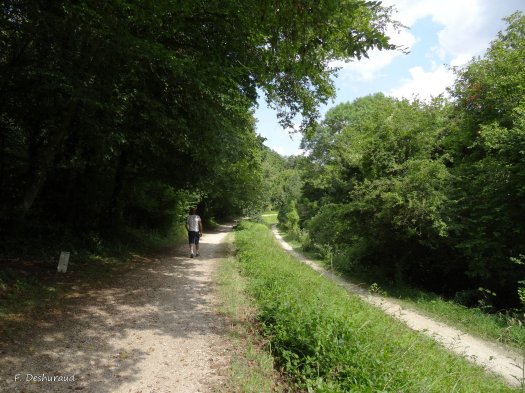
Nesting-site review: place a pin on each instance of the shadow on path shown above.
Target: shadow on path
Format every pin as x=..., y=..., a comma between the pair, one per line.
x=102, y=336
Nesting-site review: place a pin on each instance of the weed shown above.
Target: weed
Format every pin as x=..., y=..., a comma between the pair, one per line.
x=375, y=289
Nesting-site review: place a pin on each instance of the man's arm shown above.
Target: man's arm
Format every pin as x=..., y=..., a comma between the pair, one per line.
x=200, y=226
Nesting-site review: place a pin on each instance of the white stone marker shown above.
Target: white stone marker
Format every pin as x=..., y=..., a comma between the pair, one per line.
x=63, y=261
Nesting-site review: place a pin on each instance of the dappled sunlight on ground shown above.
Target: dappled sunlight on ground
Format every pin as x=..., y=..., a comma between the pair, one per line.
x=153, y=327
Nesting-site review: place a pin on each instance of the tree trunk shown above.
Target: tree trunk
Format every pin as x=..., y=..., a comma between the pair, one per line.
x=2, y=164
x=46, y=158
x=114, y=215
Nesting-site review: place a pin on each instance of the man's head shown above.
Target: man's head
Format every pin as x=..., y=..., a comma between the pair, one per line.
x=193, y=210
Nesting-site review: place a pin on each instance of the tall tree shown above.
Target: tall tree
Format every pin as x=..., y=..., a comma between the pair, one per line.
x=104, y=99
x=380, y=188
x=488, y=146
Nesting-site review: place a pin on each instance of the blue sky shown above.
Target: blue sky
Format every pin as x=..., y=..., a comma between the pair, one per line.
x=441, y=33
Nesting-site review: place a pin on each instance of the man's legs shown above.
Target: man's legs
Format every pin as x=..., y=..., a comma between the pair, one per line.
x=197, y=244
x=191, y=240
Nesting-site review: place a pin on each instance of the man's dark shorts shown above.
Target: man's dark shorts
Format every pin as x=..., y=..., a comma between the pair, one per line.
x=193, y=237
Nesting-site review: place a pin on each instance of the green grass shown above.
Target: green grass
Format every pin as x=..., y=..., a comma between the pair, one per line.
x=251, y=368
x=269, y=218
x=331, y=341
x=499, y=328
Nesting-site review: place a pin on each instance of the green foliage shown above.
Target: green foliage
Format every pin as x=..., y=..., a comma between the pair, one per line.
x=292, y=217
x=288, y=217
x=329, y=341
x=380, y=190
x=328, y=226
x=154, y=205
x=521, y=290
x=490, y=169
x=281, y=179
x=428, y=193
x=489, y=89
x=106, y=105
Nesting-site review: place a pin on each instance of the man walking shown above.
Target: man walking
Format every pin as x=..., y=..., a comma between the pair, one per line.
x=194, y=228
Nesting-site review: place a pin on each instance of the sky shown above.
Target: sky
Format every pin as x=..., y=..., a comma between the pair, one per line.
x=440, y=34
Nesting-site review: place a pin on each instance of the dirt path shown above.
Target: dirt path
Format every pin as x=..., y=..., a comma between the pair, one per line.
x=496, y=359
x=153, y=329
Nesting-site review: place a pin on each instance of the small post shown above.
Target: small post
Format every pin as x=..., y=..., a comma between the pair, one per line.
x=63, y=261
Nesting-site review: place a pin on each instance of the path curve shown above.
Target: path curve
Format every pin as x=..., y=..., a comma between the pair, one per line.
x=507, y=364
x=153, y=329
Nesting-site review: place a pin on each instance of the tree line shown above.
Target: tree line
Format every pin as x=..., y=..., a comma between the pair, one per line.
x=425, y=193
x=121, y=114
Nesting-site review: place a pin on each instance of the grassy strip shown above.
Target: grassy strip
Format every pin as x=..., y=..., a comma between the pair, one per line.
x=270, y=218
x=499, y=328
x=252, y=367
x=330, y=341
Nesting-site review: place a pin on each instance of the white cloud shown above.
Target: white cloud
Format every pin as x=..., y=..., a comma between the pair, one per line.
x=445, y=12
x=424, y=84
x=299, y=152
x=467, y=25
x=292, y=150
x=438, y=52
x=279, y=149
x=370, y=68
x=465, y=29
x=462, y=21
x=460, y=60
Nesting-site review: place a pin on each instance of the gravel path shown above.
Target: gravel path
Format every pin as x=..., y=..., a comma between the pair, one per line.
x=153, y=329
x=506, y=363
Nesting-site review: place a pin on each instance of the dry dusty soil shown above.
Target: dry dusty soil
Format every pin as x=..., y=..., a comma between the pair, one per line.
x=152, y=329
x=494, y=358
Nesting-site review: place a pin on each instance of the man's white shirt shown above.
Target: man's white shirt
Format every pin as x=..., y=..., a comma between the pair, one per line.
x=193, y=222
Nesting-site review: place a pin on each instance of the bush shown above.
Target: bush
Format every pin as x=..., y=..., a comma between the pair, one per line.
x=289, y=218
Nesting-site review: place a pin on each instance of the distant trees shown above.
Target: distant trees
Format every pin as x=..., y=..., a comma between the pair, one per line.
x=121, y=113
x=281, y=179
x=430, y=194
